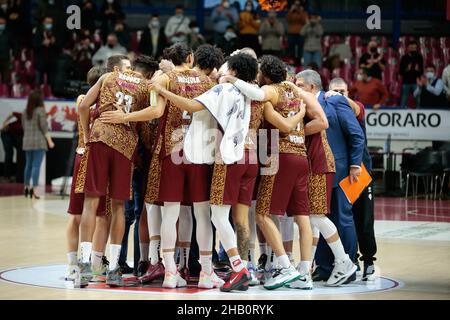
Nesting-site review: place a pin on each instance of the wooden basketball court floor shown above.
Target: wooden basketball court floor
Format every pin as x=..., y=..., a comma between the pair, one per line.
x=413, y=255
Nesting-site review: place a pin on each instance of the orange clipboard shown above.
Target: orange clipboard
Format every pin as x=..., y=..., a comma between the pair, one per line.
x=354, y=190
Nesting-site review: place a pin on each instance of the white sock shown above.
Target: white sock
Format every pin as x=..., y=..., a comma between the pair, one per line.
x=270, y=258
x=154, y=251
x=86, y=248
x=305, y=267
x=206, y=263
x=338, y=250
x=236, y=263
x=169, y=262
x=96, y=259
x=72, y=258
x=284, y=261
x=114, y=250
x=262, y=248
x=291, y=258
x=184, y=257
x=143, y=248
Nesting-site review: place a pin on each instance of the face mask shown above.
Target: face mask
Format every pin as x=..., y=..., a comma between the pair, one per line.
x=48, y=26
x=4, y=6
x=196, y=30
x=248, y=8
x=179, y=15
x=229, y=35
x=359, y=77
x=154, y=24
x=51, y=2
x=2, y=27
x=429, y=75
x=110, y=45
x=373, y=50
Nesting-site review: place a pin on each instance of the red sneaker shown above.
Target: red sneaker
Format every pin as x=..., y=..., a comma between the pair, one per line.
x=238, y=281
x=153, y=272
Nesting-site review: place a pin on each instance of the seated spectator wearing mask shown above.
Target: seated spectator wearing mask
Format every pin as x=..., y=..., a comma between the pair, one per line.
x=195, y=38
x=229, y=41
x=372, y=61
x=369, y=90
x=223, y=16
x=177, y=27
x=153, y=40
x=430, y=90
x=111, y=48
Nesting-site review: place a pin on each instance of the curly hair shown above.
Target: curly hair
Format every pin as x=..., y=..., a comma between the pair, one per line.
x=208, y=57
x=177, y=53
x=246, y=67
x=273, y=68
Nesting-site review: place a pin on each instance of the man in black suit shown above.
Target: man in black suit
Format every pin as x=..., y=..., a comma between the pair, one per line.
x=153, y=40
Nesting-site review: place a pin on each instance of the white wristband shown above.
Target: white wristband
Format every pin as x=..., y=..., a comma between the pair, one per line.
x=251, y=91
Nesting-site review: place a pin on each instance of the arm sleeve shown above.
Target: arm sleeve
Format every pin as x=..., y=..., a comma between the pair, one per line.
x=42, y=121
x=352, y=130
x=249, y=90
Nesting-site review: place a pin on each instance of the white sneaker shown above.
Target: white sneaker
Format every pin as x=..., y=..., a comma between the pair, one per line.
x=282, y=277
x=304, y=283
x=342, y=271
x=173, y=281
x=71, y=273
x=209, y=281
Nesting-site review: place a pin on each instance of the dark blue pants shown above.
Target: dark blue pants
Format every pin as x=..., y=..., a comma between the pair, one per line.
x=342, y=217
x=133, y=209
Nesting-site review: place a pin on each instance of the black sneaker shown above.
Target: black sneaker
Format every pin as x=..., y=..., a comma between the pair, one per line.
x=126, y=269
x=105, y=263
x=142, y=268
x=317, y=276
x=114, y=278
x=262, y=261
x=369, y=271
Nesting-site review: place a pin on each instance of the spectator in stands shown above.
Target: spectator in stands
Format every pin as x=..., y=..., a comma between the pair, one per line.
x=249, y=24
x=373, y=61
x=12, y=135
x=64, y=71
x=446, y=81
x=46, y=51
x=229, y=41
x=222, y=16
x=54, y=9
x=18, y=25
x=177, y=27
x=195, y=38
x=88, y=15
x=296, y=19
x=110, y=12
x=411, y=67
x=312, y=49
x=123, y=34
x=340, y=52
x=272, y=31
x=111, y=48
x=153, y=40
x=3, y=8
x=35, y=140
x=5, y=56
x=369, y=90
x=83, y=53
x=430, y=89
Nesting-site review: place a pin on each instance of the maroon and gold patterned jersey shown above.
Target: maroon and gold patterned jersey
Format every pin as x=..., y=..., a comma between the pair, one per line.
x=289, y=105
x=130, y=90
x=174, y=123
x=320, y=156
x=256, y=118
x=147, y=132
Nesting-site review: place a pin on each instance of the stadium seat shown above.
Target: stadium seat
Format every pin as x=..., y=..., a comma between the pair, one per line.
x=353, y=41
x=446, y=56
x=4, y=90
x=20, y=90
x=444, y=42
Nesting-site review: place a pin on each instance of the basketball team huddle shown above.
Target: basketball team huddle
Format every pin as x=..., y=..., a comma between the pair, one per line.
x=229, y=145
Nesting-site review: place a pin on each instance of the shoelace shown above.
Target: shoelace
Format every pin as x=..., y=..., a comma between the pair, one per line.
x=105, y=261
x=276, y=273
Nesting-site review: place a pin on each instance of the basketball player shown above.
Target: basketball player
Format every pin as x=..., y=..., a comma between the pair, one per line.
x=111, y=151
x=168, y=179
x=76, y=199
x=284, y=190
x=226, y=177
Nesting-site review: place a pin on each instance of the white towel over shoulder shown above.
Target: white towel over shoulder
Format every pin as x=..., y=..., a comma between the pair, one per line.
x=227, y=109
